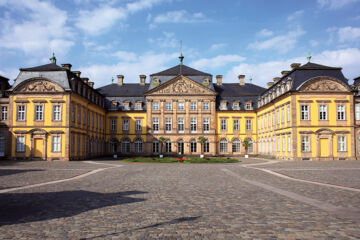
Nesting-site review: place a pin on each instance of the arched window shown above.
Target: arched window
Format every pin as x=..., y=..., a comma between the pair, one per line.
x=223, y=145
x=206, y=146
x=155, y=146
x=113, y=145
x=168, y=146
x=193, y=145
x=125, y=145
x=138, y=144
x=236, y=145
x=251, y=143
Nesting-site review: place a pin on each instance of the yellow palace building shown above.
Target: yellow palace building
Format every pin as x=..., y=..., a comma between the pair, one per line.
x=50, y=112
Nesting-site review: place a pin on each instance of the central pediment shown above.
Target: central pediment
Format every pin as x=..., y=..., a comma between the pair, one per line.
x=181, y=85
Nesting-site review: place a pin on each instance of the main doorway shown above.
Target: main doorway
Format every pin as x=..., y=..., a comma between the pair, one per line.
x=181, y=147
x=38, y=147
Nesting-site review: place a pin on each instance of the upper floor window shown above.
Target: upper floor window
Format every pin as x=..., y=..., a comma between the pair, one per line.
x=193, y=122
x=84, y=117
x=168, y=106
x=193, y=106
x=138, y=125
x=39, y=112
x=181, y=106
x=180, y=125
x=322, y=112
x=282, y=115
x=4, y=112
x=248, y=124
x=113, y=124
x=206, y=106
x=21, y=109
x=155, y=106
x=340, y=112
x=57, y=112
x=206, y=125
x=79, y=115
x=223, y=124
x=125, y=126
x=168, y=125
x=304, y=115
x=248, y=106
x=357, y=111
x=155, y=123
x=278, y=117
x=288, y=113
x=236, y=125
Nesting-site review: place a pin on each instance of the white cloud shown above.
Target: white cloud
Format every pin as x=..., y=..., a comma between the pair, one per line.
x=265, y=71
x=281, y=43
x=180, y=16
x=126, y=56
x=296, y=15
x=217, y=46
x=95, y=47
x=45, y=29
x=314, y=43
x=264, y=33
x=334, y=4
x=167, y=41
x=146, y=63
x=141, y=5
x=216, y=62
x=348, y=34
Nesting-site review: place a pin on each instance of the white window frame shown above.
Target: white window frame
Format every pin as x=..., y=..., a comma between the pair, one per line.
x=193, y=146
x=21, y=112
x=181, y=106
x=223, y=124
x=181, y=125
x=20, y=143
x=113, y=124
x=288, y=113
x=138, y=145
x=236, y=125
x=289, y=143
x=283, y=143
x=155, y=146
x=223, y=145
x=57, y=113
x=125, y=124
x=168, y=146
x=357, y=111
x=305, y=144
x=168, y=106
x=206, y=125
x=193, y=106
x=248, y=124
x=39, y=112
x=206, y=106
x=340, y=112
x=323, y=112
x=341, y=143
x=155, y=106
x=155, y=125
x=282, y=115
x=138, y=126
x=56, y=143
x=193, y=125
x=304, y=112
x=4, y=113
x=168, y=125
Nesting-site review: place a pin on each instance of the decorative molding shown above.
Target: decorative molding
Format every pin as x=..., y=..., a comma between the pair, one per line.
x=56, y=132
x=39, y=86
x=323, y=85
x=305, y=101
x=306, y=132
x=341, y=101
x=323, y=101
x=57, y=101
x=39, y=101
x=20, y=131
x=21, y=101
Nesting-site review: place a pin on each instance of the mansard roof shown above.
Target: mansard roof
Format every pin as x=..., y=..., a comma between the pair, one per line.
x=126, y=90
x=237, y=90
x=46, y=67
x=181, y=70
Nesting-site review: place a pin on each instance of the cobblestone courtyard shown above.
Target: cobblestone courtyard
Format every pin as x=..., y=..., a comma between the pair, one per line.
x=114, y=200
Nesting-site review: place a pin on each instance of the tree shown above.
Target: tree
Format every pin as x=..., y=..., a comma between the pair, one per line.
x=162, y=140
x=202, y=141
x=246, y=144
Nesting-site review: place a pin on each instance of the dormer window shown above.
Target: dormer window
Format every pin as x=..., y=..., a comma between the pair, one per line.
x=223, y=105
x=248, y=105
x=126, y=105
x=114, y=104
x=138, y=106
x=236, y=105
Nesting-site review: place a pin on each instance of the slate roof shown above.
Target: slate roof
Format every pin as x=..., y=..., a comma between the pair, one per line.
x=356, y=80
x=237, y=90
x=46, y=67
x=126, y=90
x=185, y=70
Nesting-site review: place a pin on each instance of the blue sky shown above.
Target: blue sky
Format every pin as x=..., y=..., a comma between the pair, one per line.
x=258, y=38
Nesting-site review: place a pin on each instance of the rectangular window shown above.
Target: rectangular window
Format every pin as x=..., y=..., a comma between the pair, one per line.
x=57, y=112
x=193, y=123
x=83, y=145
x=193, y=105
x=273, y=118
x=322, y=112
x=168, y=125
x=288, y=114
x=278, y=117
x=223, y=106
x=4, y=113
x=78, y=145
x=357, y=111
x=155, y=125
x=206, y=106
x=282, y=115
x=138, y=106
x=206, y=146
x=265, y=121
x=79, y=115
x=283, y=143
x=155, y=146
x=236, y=125
x=269, y=120
x=56, y=144
x=21, y=113
x=126, y=106
x=289, y=143
x=137, y=125
x=113, y=124
x=193, y=146
x=341, y=143
x=20, y=144
x=248, y=106
x=168, y=106
x=155, y=106
x=73, y=114
x=125, y=126
x=181, y=106
x=223, y=124
x=180, y=126
x=206, y=125
x=39, y=112
x=304, y=115
x=236, y=106
x=168, y=146
x=278, y=144
x=340, y=112
x=248, y=124
x=72, y=144
x=305, y=144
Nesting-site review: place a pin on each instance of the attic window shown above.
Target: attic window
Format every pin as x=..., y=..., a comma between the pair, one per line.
x=156, y=81
x=114, y=104
x=138, y=106
x=126, y=105
x=248, y=106
x=236, y=105
x=206, y=82
x=223, y=105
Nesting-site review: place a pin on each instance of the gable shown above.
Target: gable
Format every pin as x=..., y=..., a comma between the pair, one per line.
x=323, y=84
x=38, y=85
x=181, y=85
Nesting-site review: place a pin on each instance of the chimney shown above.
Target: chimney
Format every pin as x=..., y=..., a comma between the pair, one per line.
x=276, y=79
x=85, y=80
x=219, y=80
x=269, y=84
x=91, y=84
x=284, y=73
x=295, y=65
x=77, y=73
x=120, y=79
x=67, y=66
x=241, y=79
x=142, y=80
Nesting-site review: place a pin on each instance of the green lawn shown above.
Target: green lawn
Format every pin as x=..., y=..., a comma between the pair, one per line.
x=176, y=160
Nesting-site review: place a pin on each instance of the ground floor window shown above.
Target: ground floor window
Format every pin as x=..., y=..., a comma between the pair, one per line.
x=223, y=145
x=138, y=145
x=20, y=144
x=305, y=143
x=236, y=146
x=193, y=146
x=56, y=144
x=206, y=146
x=2, y=146
x=168, y=146
x=155, y=146
x=125, y=146
x=341, y=143
x=251, y=145
x=113, y=146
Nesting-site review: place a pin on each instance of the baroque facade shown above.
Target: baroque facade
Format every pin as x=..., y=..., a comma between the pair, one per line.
x=50, y=112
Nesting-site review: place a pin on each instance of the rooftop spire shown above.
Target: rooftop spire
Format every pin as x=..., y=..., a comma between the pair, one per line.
x=309, y=57
x=53, y=58
x=181, y=57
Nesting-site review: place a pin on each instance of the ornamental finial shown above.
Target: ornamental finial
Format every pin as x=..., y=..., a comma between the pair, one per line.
x=53, y=58
x=309, y=57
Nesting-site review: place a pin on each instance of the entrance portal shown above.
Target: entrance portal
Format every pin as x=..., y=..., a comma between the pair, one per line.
x=38, y=147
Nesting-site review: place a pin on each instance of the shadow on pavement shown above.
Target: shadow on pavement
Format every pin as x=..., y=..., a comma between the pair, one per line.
x=5, y=172
x=30, y=207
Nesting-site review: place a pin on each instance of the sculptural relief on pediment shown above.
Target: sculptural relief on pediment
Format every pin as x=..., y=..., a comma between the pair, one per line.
x=325, y=85
x=42, y=86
